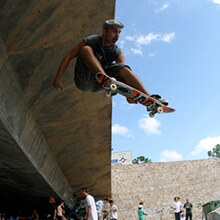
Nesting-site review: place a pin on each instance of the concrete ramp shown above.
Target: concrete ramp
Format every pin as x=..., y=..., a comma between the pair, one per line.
x=52, y=142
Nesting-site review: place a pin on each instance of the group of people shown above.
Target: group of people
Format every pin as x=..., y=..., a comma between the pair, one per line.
x=20, y=215
x=106, y=209
x=55, y=212
x=99, y=210
x=102, y=209
x=178, y=208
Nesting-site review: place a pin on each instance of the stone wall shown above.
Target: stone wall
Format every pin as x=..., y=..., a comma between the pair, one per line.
x=156, y=184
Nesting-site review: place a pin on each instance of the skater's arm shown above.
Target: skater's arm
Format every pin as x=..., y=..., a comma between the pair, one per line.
x=120, y=59
x=72, y=54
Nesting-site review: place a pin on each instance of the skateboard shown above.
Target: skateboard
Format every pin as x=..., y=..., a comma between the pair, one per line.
x=113, y=87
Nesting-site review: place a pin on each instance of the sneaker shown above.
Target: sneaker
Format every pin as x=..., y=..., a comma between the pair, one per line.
x=164, y=101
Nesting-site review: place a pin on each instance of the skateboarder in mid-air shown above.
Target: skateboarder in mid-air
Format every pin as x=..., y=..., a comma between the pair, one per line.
x=101, y=54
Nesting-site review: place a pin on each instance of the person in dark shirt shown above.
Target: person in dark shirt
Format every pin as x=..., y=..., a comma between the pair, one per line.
x=188, y=206
x=51, y=214
x=75, y=212
x=101, y=54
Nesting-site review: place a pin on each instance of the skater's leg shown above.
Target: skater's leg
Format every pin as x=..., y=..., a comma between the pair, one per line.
x=125, y=73
x=132, y=80
x=90, y=60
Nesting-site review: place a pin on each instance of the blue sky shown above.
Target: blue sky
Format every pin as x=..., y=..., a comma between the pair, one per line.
x=174, y=48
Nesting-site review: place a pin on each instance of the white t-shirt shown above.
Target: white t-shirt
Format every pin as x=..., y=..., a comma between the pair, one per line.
x=89, y=200
x=177, y=206
x=113, y=214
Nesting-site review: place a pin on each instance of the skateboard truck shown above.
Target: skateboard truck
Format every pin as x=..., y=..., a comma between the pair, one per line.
x=154, y=109
x=111, y=87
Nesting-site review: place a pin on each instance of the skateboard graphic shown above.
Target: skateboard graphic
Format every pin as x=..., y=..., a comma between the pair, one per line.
x=112, y=87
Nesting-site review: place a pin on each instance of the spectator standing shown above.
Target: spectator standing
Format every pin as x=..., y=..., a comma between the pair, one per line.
x=99, y=207
x=106, y=209
x=91, y=212
x=113, y=211
x=141, y=212
x=52, y=210
x=177, y=207
x=3, y=216
x=35, y=215
x=60, y=210
x=75, y=211
x=188, y=206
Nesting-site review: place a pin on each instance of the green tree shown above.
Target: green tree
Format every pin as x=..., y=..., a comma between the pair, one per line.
x=141, y=159
x=215, y=152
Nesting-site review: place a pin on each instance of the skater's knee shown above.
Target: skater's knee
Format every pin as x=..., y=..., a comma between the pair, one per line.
x=125, y=71
x=85, y=50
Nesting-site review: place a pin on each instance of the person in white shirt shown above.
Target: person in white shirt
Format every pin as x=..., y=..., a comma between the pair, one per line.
x=113, y=211
x=91, y=212
x=177, y=207
x=99, y=207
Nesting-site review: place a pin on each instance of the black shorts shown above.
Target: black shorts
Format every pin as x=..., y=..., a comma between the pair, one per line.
x=85, y=78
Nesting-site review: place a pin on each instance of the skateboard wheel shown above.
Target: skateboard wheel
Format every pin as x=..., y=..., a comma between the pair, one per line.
x=151, y=114
x=160, y=110
x=113, y=87
x=108, y=94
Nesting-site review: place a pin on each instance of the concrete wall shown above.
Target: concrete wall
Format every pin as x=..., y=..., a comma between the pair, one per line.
x=156, y=184
x=64, y=138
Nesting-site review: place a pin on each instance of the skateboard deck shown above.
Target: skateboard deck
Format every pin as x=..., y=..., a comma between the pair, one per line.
x=112, y=87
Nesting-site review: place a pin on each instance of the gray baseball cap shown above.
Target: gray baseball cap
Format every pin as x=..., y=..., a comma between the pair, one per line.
x=110, y=23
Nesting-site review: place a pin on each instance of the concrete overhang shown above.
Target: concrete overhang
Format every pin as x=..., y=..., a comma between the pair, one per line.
x=51, y=143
